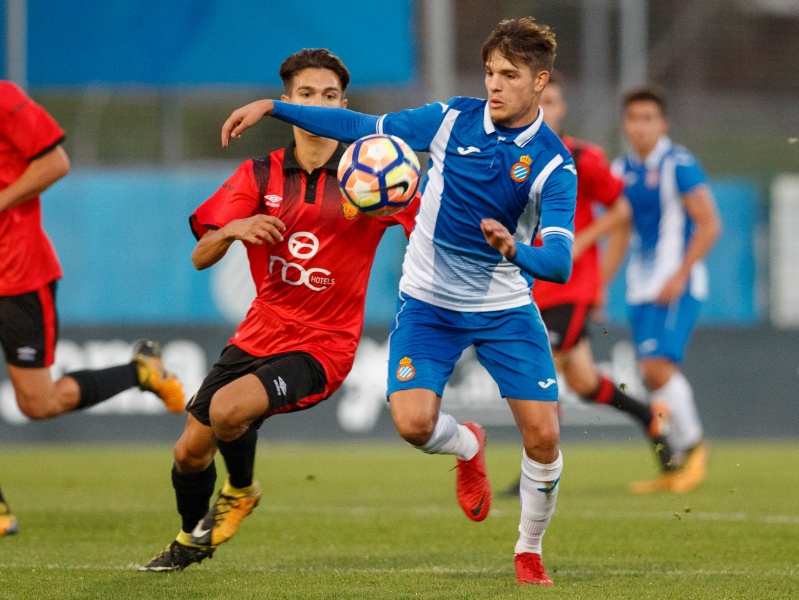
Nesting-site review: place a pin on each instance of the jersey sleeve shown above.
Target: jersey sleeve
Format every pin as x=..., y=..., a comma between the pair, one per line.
x=595, y=178
x=238, y=198
x=417, y=126
x=406, y=217
x=688, y=173
x=28, y=126
x=552, y=261
x=335, y=123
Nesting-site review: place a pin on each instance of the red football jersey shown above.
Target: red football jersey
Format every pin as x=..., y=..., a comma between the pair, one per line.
x=595, y=183
x=27, y=258
x=312, y=285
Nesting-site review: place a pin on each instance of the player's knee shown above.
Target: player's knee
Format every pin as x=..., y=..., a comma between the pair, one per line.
x=414, y=429
x=656, y=373
x=541, y=442
x=33, y=405
x=227, y=418
x=192, y=460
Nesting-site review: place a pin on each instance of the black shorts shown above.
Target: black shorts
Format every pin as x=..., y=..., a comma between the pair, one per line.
x=293, y=381
x=29, y=328
x=566, y=324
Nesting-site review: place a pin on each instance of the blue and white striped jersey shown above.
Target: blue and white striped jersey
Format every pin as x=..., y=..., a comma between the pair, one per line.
x=525, y=179
x=654, y=188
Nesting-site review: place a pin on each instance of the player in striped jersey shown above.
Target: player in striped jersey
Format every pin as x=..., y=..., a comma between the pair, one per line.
x=675, y=225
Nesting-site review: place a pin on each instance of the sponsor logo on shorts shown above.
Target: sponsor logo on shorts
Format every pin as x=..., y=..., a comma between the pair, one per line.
x=406, y=371
x=547, y=383
x=26, y=353
x=520, y=171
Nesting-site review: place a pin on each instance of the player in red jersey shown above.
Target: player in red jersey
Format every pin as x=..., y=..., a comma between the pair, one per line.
x=565, y=308
x=310, y=255
x=31, y=160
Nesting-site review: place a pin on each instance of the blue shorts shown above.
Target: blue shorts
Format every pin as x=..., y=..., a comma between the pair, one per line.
x=663, y=331
x=512, y=344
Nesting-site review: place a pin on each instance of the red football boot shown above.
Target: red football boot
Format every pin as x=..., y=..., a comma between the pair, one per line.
x=529, y=570
x=472, y=486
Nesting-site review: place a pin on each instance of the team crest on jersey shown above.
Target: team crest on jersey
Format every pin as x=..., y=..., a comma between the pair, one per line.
x=520, y=171
x=405, y=371
x=348, y=210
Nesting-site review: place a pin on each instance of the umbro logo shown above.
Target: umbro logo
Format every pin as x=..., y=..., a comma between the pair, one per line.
x=571, y=168
x=464, y=151
x=280, y=385
x=26, y=353
x=547, y=383
x=273, y=200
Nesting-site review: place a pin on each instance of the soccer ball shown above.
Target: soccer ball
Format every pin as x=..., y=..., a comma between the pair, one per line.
x=379, y=174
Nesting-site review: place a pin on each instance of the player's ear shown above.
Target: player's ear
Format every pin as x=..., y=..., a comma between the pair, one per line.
x=344, y=103
x=540, y=81
x=284, y=98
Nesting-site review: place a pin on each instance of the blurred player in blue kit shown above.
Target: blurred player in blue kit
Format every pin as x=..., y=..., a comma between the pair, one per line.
x=675, y=224
x=498, y=176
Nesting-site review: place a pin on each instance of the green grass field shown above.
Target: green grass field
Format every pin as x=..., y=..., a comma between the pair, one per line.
x=381, y=521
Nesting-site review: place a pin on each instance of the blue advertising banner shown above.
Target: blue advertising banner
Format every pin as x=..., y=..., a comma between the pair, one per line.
x=125, y=246
x=208, y=42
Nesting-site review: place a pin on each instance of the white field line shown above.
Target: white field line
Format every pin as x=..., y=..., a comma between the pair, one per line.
x=789, y=571
x=443, y=511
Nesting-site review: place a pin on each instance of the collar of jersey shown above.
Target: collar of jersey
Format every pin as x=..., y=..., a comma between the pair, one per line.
x=653, y=159
x=290, y=161
x=520, y=139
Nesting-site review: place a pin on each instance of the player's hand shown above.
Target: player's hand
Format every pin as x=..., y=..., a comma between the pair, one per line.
x=245, y=117
x=672, y=289
x=256, y=230
x=499, y=238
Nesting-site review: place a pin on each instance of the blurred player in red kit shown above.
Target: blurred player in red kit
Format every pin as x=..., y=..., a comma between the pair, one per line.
x=31, y=160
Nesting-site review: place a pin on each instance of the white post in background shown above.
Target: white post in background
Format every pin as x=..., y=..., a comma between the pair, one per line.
x=439, y=49
x=596, y=72
x=17, y=42
x=633, y=42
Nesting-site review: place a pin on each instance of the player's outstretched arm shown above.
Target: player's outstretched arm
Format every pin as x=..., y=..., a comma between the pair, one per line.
x=244, y=118
x=41, y=173
x=258, y=230
x=334, y=123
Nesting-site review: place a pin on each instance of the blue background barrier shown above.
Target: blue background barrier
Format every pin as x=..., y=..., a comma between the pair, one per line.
x=210, y=42
x=125, y=245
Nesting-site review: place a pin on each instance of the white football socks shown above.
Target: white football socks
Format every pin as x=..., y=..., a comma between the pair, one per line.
x=538, y=491
x=686, y=428
x=449, y=437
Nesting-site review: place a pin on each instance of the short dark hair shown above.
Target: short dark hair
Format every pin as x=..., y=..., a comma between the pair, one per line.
x=646, y=93
x=313, y=58
x=523, y=41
